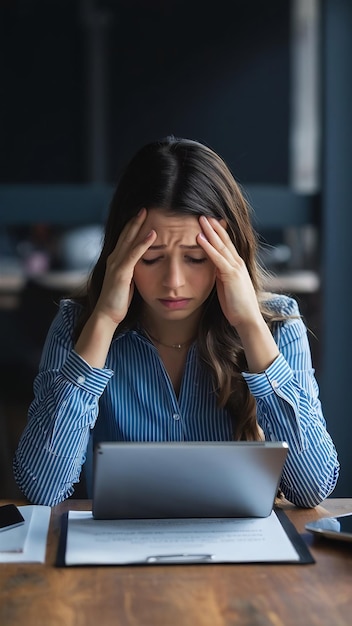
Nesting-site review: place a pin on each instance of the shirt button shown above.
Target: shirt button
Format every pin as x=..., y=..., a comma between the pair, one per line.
x=275, y=384
x=81, y=380
x=176, y=416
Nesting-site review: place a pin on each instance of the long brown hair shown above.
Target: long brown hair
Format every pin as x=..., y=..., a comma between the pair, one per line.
x=186, y=177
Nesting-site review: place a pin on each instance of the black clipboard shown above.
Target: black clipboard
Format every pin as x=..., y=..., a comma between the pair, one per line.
x=305, y=556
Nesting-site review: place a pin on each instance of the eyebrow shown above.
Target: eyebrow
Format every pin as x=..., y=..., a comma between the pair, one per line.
x=163, y=246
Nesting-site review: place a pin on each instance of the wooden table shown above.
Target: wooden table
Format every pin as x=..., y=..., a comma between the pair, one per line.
x=184, y=595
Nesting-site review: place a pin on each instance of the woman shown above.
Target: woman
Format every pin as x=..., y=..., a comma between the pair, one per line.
x=175, y=339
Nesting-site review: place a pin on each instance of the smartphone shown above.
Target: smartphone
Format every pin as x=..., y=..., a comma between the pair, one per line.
x=339, y=527
x=10, y=517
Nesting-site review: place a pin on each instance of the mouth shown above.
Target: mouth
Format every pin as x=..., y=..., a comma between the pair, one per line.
x=174, y=303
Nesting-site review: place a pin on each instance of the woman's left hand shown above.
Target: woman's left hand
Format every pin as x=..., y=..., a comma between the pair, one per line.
x=235, y=290
x=237, y=295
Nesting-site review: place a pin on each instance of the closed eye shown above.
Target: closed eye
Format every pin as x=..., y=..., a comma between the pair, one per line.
x=188, y=259
x=191, y=259
x=150, y=261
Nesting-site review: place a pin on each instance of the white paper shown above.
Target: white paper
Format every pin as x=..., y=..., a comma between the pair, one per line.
x=29, y=546
x=224, y=540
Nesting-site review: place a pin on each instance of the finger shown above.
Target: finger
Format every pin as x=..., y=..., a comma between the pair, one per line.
x=130, y=258
x=218, y=258
x=129, y=234
x=218, y=226
x=121, y=266
x=133, y=226
x=141, y=247
x=217, y=237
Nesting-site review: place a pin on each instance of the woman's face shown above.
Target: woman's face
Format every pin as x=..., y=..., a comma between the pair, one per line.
x=174, y=277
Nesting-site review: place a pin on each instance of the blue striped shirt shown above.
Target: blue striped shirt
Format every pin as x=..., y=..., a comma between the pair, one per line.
x=132, y=399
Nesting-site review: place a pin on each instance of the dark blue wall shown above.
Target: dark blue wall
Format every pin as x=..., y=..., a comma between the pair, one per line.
x=217, y=72
x=337, y=231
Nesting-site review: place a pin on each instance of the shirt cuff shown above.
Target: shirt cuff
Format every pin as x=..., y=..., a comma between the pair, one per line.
x=92, y=379
x=269, y=381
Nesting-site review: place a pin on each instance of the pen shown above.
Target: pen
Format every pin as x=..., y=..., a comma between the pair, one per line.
x=179, y=558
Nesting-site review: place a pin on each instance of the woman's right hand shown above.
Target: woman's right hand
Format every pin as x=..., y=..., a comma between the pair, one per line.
x=116, y=294
x=117, y=289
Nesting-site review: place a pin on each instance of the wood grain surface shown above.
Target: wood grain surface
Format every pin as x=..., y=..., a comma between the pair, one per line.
x=184, y=595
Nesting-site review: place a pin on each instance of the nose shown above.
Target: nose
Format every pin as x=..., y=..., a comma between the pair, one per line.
x=174, y=276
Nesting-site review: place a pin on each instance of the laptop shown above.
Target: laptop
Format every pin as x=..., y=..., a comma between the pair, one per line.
x=147, y=480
